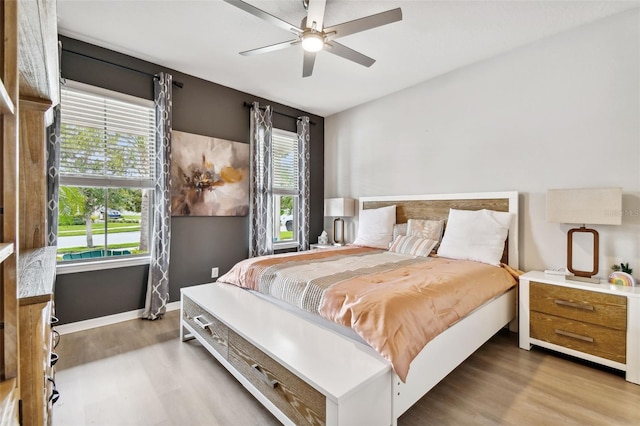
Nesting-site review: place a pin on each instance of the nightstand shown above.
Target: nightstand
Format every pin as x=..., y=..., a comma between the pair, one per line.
x=595, y=322
x=321, y=246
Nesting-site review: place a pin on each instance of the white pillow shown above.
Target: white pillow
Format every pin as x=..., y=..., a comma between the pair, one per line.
x=375, y=227
x=477, y=235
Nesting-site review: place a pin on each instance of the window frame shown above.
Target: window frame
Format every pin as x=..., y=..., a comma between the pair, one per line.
x=295, y=193
x=293, y=242
x=108, y=262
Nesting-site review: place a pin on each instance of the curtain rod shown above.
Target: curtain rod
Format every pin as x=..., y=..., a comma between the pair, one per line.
x=248, y=105
x=175, y=83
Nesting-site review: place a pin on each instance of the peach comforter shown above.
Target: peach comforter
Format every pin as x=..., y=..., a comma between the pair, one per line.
x=396, y=303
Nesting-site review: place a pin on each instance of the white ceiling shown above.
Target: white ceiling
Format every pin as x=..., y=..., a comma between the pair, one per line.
x=202, y=38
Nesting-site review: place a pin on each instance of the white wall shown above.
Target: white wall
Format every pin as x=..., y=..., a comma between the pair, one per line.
x=559, y=113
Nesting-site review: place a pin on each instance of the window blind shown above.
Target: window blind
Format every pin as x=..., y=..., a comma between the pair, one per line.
x=285, y=161
x=105, y=141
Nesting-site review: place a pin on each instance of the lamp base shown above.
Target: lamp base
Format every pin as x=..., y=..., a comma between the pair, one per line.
x=338, y=231
x=596, y=258
x=583, y=279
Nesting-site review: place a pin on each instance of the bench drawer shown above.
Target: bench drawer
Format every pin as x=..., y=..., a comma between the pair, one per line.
x=603, y=309
x=580, y=336
x=294, y=397
x=207, y=326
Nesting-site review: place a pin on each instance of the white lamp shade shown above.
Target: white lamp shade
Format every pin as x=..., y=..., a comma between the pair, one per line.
x=595, y=206
x=339, y=207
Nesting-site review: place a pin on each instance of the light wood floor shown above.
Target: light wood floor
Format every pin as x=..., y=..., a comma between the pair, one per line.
x=139, y=373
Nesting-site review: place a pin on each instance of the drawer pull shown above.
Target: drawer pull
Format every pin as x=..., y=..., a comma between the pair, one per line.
x=272, y=383
x=573, y=304
x=201, y=323
x=575, y=336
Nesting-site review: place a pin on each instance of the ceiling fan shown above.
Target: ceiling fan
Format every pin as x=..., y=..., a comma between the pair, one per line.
x=314, y=37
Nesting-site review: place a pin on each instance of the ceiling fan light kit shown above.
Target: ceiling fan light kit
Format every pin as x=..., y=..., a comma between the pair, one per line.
x=314, y=37
x=312, y=41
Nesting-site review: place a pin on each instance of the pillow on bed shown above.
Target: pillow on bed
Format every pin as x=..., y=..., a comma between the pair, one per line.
x=375, y=227
x=399, y=229
x=414, y=246
x=431, y=229
x=475, y=235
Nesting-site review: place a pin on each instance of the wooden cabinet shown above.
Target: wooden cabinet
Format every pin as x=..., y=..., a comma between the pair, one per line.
x=29, y=76
x=35, y=295
x=9, y=356
x=596, y=322
x=590, y=322
x=35, y=365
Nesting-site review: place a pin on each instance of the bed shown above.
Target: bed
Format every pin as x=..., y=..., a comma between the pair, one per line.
x=306, y=371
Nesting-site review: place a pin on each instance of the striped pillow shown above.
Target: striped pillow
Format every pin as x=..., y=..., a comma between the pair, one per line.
x=414, y=246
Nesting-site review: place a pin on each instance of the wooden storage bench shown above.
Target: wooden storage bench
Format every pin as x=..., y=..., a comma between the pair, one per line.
x=283, y=360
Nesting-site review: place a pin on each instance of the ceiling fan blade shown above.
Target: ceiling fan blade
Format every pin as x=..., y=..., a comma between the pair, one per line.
x=307, y=65
x=264, y=16
x=365, y=23
x=350, y=54
x=315, y=13
x=270, y=48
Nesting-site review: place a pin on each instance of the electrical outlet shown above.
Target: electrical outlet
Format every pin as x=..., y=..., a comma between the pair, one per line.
x=214, y=272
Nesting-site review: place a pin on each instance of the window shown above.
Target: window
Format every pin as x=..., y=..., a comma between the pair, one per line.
x=285, y=189
x=106, y=174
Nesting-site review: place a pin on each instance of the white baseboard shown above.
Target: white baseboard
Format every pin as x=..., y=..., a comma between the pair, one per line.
x=108, y=320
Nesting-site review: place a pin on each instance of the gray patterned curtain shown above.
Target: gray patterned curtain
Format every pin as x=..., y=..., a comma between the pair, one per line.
x=261, y=205
x=303, y=183
x=158, y=283
x=53, y=176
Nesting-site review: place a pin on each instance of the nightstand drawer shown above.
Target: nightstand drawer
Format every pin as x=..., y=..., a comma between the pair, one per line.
x=206, y=325
x=580, y=336
x=294, y=397
x=593, y=307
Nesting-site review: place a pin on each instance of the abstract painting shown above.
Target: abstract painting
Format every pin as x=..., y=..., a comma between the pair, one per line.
x=209, y=176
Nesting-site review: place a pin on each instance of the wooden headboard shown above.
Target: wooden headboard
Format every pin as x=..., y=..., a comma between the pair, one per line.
x=436, y=206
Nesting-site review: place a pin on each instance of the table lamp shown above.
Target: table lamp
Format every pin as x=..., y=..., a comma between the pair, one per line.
x=339, y=208
x=593, y=206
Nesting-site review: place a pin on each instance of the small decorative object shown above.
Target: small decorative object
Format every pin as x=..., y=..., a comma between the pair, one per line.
x=624, y=267
x=621, y=275
x=323, y=239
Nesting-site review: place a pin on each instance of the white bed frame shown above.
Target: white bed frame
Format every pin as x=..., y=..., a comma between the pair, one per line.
x=449, y=349
x=441, y=356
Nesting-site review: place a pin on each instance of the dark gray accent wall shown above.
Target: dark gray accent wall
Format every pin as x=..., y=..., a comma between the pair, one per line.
x=197, y=243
